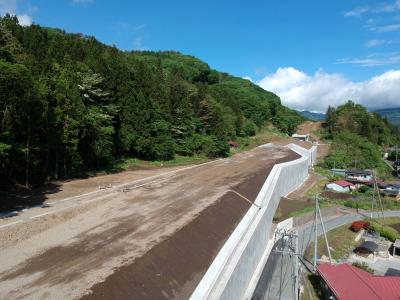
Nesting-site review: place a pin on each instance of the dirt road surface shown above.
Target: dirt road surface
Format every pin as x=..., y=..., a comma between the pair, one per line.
x=149, y=239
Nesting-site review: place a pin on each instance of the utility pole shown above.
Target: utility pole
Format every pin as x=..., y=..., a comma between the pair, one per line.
x=316, y=234
x=296, y=268
x=376, y=188
x=318, y=214
x=326, y=238
x=372, y=202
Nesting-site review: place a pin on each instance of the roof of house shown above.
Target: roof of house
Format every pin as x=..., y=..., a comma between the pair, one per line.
x=300, y=135
x=359, y=172
x=393, y=185
x=343, y=183
x=369, y=245
x=346, y=281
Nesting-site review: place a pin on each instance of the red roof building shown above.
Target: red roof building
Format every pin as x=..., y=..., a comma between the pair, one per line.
x=344, y=183
x=347, y=282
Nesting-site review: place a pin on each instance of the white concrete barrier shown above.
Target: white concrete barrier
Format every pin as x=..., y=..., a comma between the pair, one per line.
x=234, y=270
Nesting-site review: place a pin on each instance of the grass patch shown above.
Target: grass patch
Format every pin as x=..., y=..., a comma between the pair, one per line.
x=323, y=171
x=132, y=163
x=314, y=286
x=388, y=221
x=317, y=188
x=311, y=208
x=263, y=136
x=341, y=241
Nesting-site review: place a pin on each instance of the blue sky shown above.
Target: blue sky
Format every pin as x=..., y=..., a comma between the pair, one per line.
x=285, y=46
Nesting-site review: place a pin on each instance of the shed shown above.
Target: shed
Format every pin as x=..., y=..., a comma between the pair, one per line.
x=359, y=175
x=396, y=245
x=342, y=186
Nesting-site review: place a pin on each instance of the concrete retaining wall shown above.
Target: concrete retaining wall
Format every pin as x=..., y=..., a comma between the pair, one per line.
x=310, y=153
x=233, y=273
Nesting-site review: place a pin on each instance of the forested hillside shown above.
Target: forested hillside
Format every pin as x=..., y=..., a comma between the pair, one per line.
x=312, y=115
x=392, y=114
x=358, y=136
x=69, y=103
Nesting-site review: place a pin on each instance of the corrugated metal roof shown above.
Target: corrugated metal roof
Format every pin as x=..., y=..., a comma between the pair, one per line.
x=348, y=282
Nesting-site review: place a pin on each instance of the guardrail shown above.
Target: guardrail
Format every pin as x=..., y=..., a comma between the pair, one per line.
x=234, y=270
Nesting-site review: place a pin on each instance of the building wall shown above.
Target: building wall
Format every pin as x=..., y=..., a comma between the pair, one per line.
x=337, y=188
x=233, y=271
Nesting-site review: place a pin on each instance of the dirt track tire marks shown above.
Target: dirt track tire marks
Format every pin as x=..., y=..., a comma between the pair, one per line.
x=91, y=246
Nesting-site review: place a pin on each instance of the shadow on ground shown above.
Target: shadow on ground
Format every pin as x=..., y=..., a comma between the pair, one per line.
x=18, y=199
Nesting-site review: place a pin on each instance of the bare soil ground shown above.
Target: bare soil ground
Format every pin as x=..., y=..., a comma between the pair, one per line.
x=309, y=127
x=153, y=238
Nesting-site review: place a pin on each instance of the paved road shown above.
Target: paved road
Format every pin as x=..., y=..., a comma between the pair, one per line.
x=277, y=278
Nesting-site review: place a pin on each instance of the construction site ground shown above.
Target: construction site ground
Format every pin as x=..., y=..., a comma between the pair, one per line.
x=147, y=234
x=298, y=199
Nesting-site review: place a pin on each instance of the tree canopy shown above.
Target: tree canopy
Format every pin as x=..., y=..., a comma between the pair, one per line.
x=358, y=136
x=69, y=103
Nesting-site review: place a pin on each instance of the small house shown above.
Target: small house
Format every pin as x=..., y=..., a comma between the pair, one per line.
x=392, y=190
x=301, y=137
x=341, y=186
x=359, y=175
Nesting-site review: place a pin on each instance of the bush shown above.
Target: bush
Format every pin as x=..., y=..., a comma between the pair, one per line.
x=363, y=266
x=190, y=145
x=363, y=189
x=213, y=147
x=385, y=231
x=249, y=128
x=356, y=226
x=277, y=215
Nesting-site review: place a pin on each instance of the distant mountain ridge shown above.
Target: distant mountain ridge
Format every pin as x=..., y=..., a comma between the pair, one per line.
x=312, y=115
x=392, y=114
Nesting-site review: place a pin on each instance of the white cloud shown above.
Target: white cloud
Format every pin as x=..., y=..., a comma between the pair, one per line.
x=11, y=7
x=248, y=78
x=24, y=20
x=376, y=9
x=386, y=28
x=373, y=60
x=357, y=12
x=315, y=92
x=375, y=43
x=82, y=1
x=388, y=7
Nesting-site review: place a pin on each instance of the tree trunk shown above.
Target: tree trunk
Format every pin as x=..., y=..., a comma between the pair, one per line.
x=27, y=152
x=56, y=172
x=65, y=164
